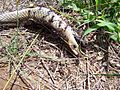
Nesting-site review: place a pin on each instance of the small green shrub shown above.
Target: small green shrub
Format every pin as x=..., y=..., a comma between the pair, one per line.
x=98, y=14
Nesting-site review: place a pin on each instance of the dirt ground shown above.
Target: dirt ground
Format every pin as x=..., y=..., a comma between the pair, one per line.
x=48, y=65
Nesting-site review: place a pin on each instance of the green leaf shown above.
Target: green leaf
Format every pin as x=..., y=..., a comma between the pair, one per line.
x=89, y=30
x=115, y=36
x=96, y=4
x=74, y=7
x=118, y=36
x=109, y=25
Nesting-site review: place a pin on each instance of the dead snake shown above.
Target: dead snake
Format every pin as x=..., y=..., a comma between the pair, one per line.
x=48, y=16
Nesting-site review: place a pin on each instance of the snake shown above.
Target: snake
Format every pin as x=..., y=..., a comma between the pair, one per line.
x=48, y=16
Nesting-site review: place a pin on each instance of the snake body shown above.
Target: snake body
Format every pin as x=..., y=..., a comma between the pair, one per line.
x=50, y=17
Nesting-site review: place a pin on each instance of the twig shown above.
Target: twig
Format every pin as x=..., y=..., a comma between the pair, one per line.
x=55, y=87
x=45, y=67
x=14, y=83
x=88, y=76
x=26, y=82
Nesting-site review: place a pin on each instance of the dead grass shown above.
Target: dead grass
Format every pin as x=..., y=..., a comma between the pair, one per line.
x=48, y=65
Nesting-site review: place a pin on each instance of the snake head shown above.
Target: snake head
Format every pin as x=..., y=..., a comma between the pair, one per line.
x=74, y=47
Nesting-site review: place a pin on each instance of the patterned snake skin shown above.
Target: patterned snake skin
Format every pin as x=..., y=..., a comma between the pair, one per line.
x=48, y=16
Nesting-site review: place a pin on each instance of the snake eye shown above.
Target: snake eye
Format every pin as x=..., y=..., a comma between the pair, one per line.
x=74, y=49
x=74, y=46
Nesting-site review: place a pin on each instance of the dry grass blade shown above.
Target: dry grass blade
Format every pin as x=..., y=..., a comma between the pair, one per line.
x=46, y=64
x=19, y=64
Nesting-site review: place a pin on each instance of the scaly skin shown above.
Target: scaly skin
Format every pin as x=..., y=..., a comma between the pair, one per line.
x=48, y=16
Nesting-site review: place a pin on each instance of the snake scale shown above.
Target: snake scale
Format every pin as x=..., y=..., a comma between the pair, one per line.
x=47, y=15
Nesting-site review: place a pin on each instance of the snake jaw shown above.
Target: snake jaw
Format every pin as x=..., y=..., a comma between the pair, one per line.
x=74, y=47
x=72, y=43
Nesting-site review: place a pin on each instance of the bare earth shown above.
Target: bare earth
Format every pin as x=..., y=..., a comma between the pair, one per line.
x=48, y=65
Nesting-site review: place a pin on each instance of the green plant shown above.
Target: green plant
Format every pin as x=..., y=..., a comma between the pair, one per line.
x=72, y=4
x=111, y=28
x=97, y=14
